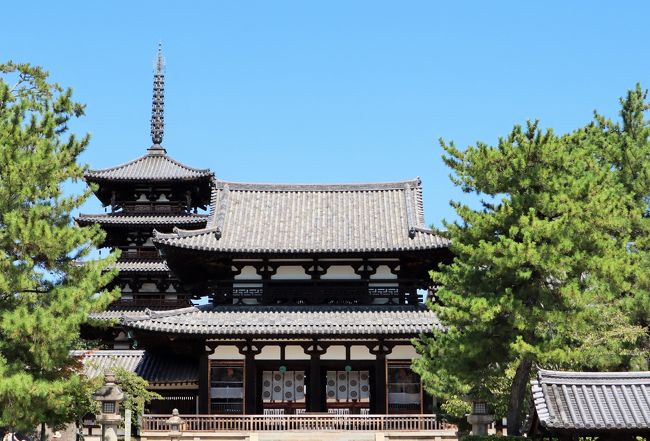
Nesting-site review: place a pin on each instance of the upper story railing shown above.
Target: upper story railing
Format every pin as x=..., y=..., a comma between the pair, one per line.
x=319, y=292
x=166, y=207
x=301, y=422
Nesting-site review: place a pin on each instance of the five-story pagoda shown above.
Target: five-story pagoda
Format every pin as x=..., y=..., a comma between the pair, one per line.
x=152, y=191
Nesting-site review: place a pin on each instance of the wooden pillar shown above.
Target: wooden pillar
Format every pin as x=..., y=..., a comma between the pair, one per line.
x=204, y=385
x=379, y=400
x=315, y=388
x=249, y=351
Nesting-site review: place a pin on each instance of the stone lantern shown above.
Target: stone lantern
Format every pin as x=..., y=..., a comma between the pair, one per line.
x=175, y=423
x=109, y=397
x=480, y=417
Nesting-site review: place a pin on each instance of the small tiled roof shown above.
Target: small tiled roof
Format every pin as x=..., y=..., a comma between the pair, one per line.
x=155, y=368
x=252, y=218
x=209, y=320
x=142, y=266
x=142, y=219
x=592, y=401
x=156, y=165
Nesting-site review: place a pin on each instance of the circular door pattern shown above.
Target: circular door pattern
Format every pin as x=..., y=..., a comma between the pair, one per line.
x=299, y=389
x=288, y=383
x=331, y=383
x=364, y=388
x=267, y=383
x=278, y=377
x=288, y=395
x=353, y=383
x=353, y=394
x=331, y=394
x=277, y=389
x=342, y=377
x=341, y=388
x=364, y=377
x=299, y=377
x=267, y=394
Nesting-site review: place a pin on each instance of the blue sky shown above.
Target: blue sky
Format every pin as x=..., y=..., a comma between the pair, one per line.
x=331, y=91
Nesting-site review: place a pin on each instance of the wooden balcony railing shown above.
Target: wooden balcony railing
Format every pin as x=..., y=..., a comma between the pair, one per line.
x=301, y=422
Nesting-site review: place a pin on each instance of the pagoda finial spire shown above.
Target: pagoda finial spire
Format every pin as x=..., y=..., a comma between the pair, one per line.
x=158, y=103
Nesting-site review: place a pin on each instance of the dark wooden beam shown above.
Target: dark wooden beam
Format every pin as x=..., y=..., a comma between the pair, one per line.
x=204, y=384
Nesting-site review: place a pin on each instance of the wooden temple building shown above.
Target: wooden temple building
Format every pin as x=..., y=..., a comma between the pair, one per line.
x=259, y=299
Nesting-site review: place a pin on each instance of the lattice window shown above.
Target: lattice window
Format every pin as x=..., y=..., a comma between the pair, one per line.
x=283, y=387
x=348, y=387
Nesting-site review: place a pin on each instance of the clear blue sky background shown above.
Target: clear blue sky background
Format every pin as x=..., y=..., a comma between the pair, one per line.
x=331, y=91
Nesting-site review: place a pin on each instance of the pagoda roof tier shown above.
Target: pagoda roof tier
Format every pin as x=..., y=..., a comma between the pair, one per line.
x=273, y=321
x=157, y=369
x=156, y=165
x=341, y=218
x=142, y=266
x=129, y=220
x=592, y=402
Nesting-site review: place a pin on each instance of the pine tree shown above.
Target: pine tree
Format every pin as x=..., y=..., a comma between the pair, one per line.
x=543, y=272
x=49, y=282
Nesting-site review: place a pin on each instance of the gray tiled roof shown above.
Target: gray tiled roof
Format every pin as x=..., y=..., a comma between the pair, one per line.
x=156, y=165
x=288, y=320
x=592, y=401
x=142, y=265
x=311, y=218
x=117, y=312
x=140, y=219
x=156, y=369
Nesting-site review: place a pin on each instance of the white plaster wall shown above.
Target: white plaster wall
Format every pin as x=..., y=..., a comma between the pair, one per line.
x=290, y=273
x=226, y=353
x=360, y=353
x=403, y=352
x=340, y=272
x=383, y=272
x=149, y=287
x=248, y=273
x=334, y=353
x=295, y=352
x=269, y=353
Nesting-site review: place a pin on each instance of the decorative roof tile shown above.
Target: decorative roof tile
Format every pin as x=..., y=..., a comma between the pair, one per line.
x=141, y=219
x=592, y=401
x=209, y=320
x=254, y=218
x=156, y=369
x=156, y=165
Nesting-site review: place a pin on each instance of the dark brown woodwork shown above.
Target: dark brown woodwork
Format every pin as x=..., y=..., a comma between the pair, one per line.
x=249, y=351
x=204, y=383
x=315, y=398
x=380, y=350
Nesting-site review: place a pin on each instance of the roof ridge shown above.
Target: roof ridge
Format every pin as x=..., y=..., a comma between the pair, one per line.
x=150, y=314
x=584, y=374
x=359, y=186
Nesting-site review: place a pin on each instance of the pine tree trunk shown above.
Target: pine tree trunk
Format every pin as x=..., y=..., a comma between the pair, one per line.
x=517, y=395
x=43, y=432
